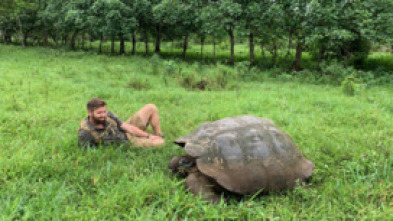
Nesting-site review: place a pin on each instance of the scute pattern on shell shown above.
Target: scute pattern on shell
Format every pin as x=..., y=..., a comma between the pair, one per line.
x=245, y=154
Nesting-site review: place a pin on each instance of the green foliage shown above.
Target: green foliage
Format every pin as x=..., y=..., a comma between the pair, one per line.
x=247, y=73
x=352, y=85
x=112, y=18
x=170, y=67
x=334, y=72
x=342, y=30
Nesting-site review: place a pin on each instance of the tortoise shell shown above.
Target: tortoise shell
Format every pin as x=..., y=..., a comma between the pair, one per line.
x=246, y=154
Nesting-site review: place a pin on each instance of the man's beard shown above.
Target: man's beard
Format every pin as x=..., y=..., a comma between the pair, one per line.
x=97, y=120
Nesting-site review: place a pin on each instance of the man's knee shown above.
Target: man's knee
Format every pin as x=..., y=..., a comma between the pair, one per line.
x=151, y=107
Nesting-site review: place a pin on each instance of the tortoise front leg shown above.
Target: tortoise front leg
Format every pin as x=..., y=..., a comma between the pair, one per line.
x=197, y=183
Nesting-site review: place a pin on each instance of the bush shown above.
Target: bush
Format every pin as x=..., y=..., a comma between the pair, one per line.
x=170, y=67
x=377, y=77
x=307, y=76
x=333, y=73
x=352, y=85
x=285, y=77
x=245, y=72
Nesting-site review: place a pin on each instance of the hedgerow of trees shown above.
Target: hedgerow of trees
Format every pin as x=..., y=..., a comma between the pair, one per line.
x=329, y=29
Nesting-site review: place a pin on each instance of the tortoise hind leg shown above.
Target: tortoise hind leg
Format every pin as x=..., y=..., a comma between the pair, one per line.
x=197, y=183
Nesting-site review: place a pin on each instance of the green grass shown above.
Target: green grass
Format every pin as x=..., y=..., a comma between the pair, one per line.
x=45, y=176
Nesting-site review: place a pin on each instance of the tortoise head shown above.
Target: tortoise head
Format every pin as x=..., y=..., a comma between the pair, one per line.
x=182, y=165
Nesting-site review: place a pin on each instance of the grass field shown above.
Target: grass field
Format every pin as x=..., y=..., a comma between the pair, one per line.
x=45, y=176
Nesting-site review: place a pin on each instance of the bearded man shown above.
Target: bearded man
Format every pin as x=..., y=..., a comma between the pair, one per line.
x=104, y=127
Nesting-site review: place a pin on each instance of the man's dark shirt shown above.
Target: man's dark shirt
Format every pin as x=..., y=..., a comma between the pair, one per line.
x=109, y=135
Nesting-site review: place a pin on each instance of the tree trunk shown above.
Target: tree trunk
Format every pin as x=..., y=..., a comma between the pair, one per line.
x=214, y=48
x=91, y=42
x=321, y=56
x=146, y=43
x=2, y=35
x=24, y=41
x=21, y=32
x=232, y=39
x=348, y=56
x=274, y=54
x=262, y=49
x=289, y=45
x=45, y=39
x=251, y=41
x=65, y=39
x=8, y=38
x=54, y=37
x=100, y=47
x=133, y=43
x=185, y=45
x=202, y=44
x=122, y=47
x=158, y=39
x=73, y=39
x=298, y=56
x=83, y=41
x=112, y=44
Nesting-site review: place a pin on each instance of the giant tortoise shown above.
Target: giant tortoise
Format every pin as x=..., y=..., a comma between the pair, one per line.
x=242, y=155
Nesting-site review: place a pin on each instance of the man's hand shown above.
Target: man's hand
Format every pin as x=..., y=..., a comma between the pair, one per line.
x=139, y=133
x=154, y=137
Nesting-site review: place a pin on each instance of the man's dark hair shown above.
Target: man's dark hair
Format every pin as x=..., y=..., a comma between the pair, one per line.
x=95, y=103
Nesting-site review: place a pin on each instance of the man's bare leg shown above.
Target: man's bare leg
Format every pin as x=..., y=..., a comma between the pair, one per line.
x=145, y=116
x=148, y=114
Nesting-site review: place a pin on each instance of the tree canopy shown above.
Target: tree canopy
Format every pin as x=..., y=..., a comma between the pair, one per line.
x=328, y=29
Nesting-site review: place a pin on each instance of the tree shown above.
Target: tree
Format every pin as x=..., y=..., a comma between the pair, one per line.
x=23, y=13
x=227, y=13
x=143, y=13
x=262, y=20
x=187, y=23
x=7, y=24
x=210, y=25
x=328, y=34
x=345, y=29
x=166, y=15
x=295, y=21
x=75, y=20
x=231, y=13
x=112, y=18
x=379, y=23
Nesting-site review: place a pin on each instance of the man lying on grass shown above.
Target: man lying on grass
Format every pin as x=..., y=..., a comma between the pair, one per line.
x=102, y=127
